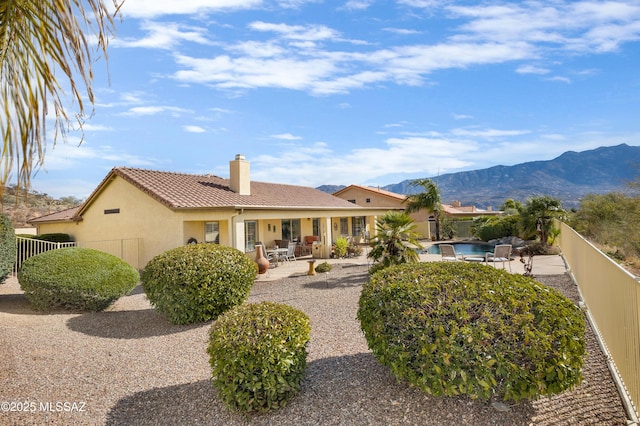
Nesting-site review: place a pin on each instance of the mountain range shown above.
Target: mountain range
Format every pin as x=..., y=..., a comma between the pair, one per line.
x=568, y=177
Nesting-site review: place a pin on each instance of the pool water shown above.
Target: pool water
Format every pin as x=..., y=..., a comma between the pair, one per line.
x=467, y=249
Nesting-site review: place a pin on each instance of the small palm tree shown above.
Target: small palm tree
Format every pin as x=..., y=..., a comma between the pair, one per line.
x=396, y=240
x=429, y=199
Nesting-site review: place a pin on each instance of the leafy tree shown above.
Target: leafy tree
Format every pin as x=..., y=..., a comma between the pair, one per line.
x=510, y=206
x=40, y=42
x=396, y=240
x=538, y=214
x=74, y=201
x=429, y=199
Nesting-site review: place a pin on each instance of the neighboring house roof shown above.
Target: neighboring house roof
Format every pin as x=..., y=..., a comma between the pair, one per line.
x=189, y=191
x=372, y=189
x=62, y=215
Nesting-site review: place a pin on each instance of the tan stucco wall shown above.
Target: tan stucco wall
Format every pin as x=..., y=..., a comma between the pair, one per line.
x=376, y=199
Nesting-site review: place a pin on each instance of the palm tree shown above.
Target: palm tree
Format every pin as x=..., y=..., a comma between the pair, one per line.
x=538, y=214
x=396, y=240
x=429, y=199
x=40, y=41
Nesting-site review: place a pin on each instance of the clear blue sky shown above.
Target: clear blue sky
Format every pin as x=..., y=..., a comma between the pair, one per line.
x=354, y=92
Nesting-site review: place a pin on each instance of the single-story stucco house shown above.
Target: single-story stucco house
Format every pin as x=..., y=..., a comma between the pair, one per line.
x=138, y=214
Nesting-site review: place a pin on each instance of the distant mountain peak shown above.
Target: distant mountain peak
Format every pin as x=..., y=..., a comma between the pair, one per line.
x=569, y=177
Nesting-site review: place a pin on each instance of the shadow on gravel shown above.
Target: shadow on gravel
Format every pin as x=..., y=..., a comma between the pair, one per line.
x=348, y=390
x=327, y=281
x=127, y=324
x=17, y=304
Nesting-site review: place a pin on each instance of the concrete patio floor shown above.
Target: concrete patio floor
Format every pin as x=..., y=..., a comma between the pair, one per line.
x=542, y=265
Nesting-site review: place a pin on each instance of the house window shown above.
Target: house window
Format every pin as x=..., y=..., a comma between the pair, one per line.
x=344, y=226
x=250, y=235
x=291, y=229
x=368, y=200
x=357, y=225
x=112, y=211
x=316, y=226
x=212, y=232
x=352, y=201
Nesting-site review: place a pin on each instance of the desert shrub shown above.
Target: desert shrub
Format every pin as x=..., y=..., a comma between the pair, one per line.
x=323, y=267
x=498, y=227
x=258, y=355
x=451, y=328
x=56, y=237
x=341, y=247
x=75, y=278
x=197, y=282
x=7, y=247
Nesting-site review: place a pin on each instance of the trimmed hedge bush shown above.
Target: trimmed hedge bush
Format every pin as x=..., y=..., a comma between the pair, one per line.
x=197, y=282
x=258, y=355
x=7, y=247
x=76, y=278
x=451, y=328
x=498, y=227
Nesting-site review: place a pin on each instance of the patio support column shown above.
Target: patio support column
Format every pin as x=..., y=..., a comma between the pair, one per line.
x=237, y=233
x=325, y=226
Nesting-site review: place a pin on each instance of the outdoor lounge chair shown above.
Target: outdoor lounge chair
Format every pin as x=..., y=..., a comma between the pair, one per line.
x=501, y=253
x=448, y=253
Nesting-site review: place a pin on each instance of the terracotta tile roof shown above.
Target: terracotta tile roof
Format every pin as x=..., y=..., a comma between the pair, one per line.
x=186, y=191
x=373, y=190
x=62, y=215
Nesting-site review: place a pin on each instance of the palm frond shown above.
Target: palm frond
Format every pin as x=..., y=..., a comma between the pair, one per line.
x=41, y=40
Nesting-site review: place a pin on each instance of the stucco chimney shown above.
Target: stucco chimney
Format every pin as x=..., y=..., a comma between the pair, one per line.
x=239, y=176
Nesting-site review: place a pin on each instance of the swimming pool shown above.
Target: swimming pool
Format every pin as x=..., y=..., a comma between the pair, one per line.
x=467, y=249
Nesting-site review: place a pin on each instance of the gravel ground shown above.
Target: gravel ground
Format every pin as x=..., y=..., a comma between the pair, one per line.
x=128, y=365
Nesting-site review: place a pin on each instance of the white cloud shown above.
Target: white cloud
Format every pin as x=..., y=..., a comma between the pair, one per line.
x=357, y=4
x=488, y=133
x=286, y=136
x=560, y=79
x=65, y=156
x=461, y=116
x=164, y=35
x=531, y=69
x=296, y=32
x=153, y=8
x=296, y=57
x=193, y=129
x=156, y=109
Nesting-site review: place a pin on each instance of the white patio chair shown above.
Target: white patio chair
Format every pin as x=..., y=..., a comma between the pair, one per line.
x=448, y=253
x=291, y=252
x=501, y=253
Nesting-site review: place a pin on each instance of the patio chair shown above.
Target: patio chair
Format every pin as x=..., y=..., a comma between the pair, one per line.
x=448, y=252
x=291, y=252
x=501, y=253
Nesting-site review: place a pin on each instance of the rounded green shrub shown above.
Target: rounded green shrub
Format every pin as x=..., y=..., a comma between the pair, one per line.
x=197, y=282
x=76, y=278
x=7, y=247
x=258, y=355
x=323, y=267
x=451, y=328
